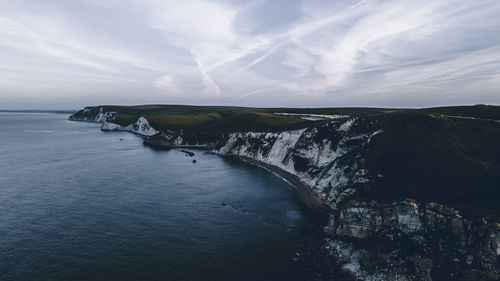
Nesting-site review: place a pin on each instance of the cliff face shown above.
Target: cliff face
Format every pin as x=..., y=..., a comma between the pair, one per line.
x=140, y=127
x=398, y=240
x=97, y=114
x=404, y=240
x=382, y=239
x=327, y=158
x=92, y=114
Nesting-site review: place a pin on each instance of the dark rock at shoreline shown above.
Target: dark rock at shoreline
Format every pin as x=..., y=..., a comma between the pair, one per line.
x=189, y=153
x=157, y=142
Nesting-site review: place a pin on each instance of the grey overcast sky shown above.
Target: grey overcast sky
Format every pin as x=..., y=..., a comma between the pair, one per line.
x=413, y=53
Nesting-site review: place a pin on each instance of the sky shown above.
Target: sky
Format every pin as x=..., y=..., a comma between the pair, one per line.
x=59, y=54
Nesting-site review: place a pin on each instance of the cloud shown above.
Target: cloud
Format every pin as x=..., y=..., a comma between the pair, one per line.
x=167, y=84
x=44, y=36
x=223, y=51
x=476, y=66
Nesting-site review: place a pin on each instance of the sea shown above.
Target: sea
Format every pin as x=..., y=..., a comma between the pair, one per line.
x=77, y=203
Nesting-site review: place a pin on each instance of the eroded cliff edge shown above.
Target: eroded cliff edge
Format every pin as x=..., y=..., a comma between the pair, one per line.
x=362, y=170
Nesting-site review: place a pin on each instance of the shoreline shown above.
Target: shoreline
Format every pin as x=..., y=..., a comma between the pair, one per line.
x=309, y=196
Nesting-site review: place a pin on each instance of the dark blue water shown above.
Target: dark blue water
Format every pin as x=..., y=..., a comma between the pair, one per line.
x=80, y=204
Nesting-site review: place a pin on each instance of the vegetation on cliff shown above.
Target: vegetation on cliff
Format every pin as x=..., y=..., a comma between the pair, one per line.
x=432, y=157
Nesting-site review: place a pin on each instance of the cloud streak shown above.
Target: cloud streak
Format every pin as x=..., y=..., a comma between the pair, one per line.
x=368, y=52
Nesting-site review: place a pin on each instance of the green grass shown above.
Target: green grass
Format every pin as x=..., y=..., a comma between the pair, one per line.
x=208, y=119
x=224, y=119
x=477, y=111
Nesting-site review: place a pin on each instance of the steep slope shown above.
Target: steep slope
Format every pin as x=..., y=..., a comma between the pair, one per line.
x=327, y=158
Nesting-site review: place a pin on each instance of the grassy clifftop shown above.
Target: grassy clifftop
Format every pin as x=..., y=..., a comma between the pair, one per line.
x=223, y=119
x=207, y=119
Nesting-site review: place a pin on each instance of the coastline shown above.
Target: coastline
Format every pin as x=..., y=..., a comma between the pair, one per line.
x=309, y=196
x=431, y=235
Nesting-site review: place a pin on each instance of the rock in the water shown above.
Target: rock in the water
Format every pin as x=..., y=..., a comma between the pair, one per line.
x=189, y=153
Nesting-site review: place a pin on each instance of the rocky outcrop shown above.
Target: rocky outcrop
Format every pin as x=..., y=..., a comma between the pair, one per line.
x=98, y=114
x=140, y=127
x=109, y=126
x=172, y=139
x=403, y=240
x=93, y=114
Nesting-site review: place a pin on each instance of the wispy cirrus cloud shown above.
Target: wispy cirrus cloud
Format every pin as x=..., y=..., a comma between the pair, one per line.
x=313, y=52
